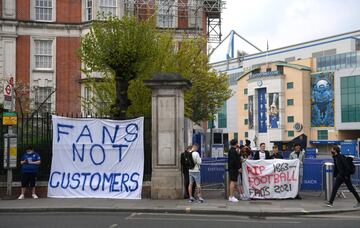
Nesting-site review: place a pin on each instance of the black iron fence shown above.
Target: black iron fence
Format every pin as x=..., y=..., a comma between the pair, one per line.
x=36, y=131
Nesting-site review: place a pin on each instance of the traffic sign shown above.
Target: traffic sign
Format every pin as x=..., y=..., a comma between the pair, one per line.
x=9, y=118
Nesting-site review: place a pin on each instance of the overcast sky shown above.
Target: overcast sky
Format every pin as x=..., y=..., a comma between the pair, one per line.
x=285, y=22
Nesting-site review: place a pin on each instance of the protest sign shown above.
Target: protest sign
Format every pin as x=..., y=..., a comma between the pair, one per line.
x=97, y=158
x=270, y=179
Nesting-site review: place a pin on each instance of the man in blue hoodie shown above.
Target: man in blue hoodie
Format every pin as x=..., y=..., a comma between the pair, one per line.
x=30, y=162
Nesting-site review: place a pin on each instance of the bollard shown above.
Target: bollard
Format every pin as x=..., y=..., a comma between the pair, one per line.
x=329, y=179
x=226, y=181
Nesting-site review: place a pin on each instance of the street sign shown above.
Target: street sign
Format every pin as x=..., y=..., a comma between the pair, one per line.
x=10, y=150
x=8, y=92
x=9, y=118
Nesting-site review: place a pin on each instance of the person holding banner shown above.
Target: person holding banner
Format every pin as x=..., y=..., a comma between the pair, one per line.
x=276, y=154
x=262, y=154
x=30, y=162
x=234, y=166
x=299, y=154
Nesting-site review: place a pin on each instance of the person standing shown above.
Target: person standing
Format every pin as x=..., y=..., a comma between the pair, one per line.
x=298, y=153
x=234, y=166
x=276, y=154
x=262, y=154
x=30, y=162
x=185, y=164
x=194, y=175
x=342, y=175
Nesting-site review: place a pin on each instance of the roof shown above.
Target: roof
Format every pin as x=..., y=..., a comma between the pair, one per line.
x=279, y=63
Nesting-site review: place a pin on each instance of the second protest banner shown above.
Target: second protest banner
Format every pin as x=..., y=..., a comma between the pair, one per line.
x=270, y=179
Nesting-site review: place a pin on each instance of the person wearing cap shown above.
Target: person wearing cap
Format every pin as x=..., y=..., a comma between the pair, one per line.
x=30, y=162
x=299, y=154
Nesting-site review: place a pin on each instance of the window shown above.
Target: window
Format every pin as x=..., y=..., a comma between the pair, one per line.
x=236, y=136
x=89, y=5
x=222, y=117
x=43, y=99
x=350, y=99
x=322, y=135
x=211, y=124
x=357, y=45
x=245, y=106
x=44, y=10
x=108, y=7
x=246, y=121
x=245, y=91
x=290, y=102
x=246, y=134
x=195, y=14
x=290, y=85
x=166, y=14
x=290, y=119
x=290, y=133
x=87, y=101
x=268, y=69
x=43, y=54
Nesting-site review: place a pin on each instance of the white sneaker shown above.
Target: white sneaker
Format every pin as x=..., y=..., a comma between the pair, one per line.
x=21, y=197
x=34, y=196
x=233, y=199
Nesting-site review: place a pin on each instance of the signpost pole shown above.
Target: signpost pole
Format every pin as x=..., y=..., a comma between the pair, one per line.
x=10, y=138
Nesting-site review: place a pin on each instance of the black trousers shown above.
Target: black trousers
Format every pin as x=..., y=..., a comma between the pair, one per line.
x=338, y=181
x=186, y=185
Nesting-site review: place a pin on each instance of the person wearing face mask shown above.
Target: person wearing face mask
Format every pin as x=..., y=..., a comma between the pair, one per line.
x=30, y=162
x=341, y=175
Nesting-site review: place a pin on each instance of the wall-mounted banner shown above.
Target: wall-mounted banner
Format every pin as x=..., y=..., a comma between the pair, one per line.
x=97, y=158
x=274, y=110
x=270, y=179
x=322, y=99
x=251, y=111
x=262, y=110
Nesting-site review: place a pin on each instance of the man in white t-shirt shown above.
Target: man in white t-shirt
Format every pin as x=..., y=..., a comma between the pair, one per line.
x=262, y=154
x=194, y=175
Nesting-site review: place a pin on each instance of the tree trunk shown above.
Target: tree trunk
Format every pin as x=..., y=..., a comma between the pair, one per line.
x=122, y=101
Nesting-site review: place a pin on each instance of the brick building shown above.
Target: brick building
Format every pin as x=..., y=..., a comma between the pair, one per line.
x=39, y=40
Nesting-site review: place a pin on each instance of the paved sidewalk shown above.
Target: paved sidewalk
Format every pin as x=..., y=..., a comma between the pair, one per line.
x=310, y=204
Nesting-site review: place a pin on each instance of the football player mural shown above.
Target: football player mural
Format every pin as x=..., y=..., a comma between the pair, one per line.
x=274, y=110
x=322, y=100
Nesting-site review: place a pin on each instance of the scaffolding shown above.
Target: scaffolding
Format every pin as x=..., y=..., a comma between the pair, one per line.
x=189, y=15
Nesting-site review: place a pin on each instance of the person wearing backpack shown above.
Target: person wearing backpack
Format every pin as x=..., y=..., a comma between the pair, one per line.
x=185, y=166
x=194, y=174
x=342, y=173
x=234, y=166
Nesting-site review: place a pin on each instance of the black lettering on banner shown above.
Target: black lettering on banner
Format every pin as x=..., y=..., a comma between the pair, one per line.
x=280, y=167
x=282, y=188
x=262, y=192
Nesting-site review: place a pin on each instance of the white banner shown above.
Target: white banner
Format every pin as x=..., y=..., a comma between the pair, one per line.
x=97, y=158
x=270, y=179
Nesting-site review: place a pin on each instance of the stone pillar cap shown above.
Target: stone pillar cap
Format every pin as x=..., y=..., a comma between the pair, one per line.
x=168, y=80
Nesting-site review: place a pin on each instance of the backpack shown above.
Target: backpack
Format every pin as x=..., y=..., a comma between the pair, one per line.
x=189, y=161
x=349, y=165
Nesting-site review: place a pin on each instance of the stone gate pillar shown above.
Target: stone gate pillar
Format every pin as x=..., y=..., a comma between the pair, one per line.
x=167, y=134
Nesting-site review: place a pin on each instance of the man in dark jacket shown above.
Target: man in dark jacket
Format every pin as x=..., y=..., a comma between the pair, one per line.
x=276, y=154
x=234, y=165
x=342, y=175
x=262, y=153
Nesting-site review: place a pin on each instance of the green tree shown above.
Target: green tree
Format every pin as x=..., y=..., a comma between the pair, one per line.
x=209, y=89
x=121, y=48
